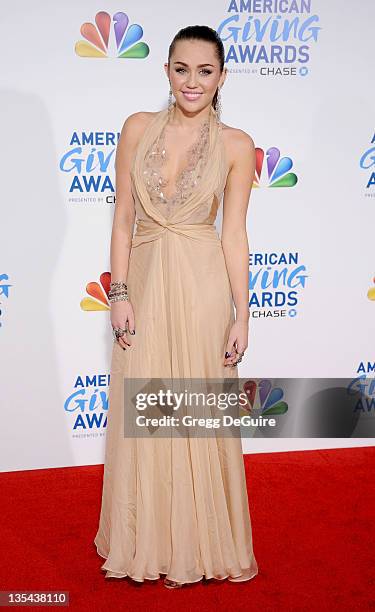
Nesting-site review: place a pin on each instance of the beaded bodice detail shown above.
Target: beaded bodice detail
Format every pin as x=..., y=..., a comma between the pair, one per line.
x=186, y=180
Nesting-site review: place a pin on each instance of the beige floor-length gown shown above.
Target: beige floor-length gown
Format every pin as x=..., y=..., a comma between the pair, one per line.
x=175, y=506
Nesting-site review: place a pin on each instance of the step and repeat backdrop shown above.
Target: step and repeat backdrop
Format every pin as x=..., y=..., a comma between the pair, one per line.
x=300, y=83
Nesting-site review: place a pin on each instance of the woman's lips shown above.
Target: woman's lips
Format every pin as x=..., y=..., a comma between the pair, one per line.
x=191, y=96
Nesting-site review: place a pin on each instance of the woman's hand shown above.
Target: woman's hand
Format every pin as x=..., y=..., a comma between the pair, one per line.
x=237, y=342
x=122, y=315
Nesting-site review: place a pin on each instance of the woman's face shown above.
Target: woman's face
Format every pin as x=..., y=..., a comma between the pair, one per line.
x=194, y=74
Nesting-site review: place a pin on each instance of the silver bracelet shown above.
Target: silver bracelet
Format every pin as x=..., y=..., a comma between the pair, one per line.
x=118, y=291
x=119, y=298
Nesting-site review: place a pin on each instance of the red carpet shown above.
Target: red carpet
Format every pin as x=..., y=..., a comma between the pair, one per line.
x=313, y=525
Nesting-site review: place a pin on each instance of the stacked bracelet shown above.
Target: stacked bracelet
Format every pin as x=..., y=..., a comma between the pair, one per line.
x=118, y=291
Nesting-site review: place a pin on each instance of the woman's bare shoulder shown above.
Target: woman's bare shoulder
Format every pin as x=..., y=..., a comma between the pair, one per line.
x=135, y=124
x=237, y=144
x=140, y=119
x=236, y=136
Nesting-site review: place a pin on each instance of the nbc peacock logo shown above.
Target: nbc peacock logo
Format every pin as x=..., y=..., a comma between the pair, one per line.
x=97, y=294
x=261, y=395
x=124, y=43
x=277, y=168
x=371, y=291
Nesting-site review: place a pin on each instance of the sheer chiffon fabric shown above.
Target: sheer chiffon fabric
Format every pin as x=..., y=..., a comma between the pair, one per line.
x=175, y=506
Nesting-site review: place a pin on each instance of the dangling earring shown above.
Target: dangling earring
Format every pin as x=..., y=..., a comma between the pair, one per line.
x=218, y=106
x=170, y=103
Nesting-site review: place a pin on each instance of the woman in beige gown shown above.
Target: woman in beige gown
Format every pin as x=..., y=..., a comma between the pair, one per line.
x=175, y=505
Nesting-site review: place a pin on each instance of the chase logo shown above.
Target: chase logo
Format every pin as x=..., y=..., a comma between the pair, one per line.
x=98, y=294
x=99, y=42
x=269, y=399
x=277, y=169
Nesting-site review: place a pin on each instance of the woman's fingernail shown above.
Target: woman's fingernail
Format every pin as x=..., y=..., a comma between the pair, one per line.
x=132, y=332
x=227, y=354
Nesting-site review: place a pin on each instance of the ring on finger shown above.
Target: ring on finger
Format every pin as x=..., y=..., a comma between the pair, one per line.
x=118, y=332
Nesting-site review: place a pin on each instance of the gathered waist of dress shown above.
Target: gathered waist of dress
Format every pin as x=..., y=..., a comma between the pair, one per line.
x=153, y=229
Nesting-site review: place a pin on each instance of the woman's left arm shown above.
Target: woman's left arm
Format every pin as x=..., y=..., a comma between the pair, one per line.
x=241, y=153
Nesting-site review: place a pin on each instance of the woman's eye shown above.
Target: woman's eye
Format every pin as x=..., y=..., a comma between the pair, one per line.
x=204, y=70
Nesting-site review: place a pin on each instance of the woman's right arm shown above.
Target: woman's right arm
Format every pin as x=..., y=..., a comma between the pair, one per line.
x=122, y=314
